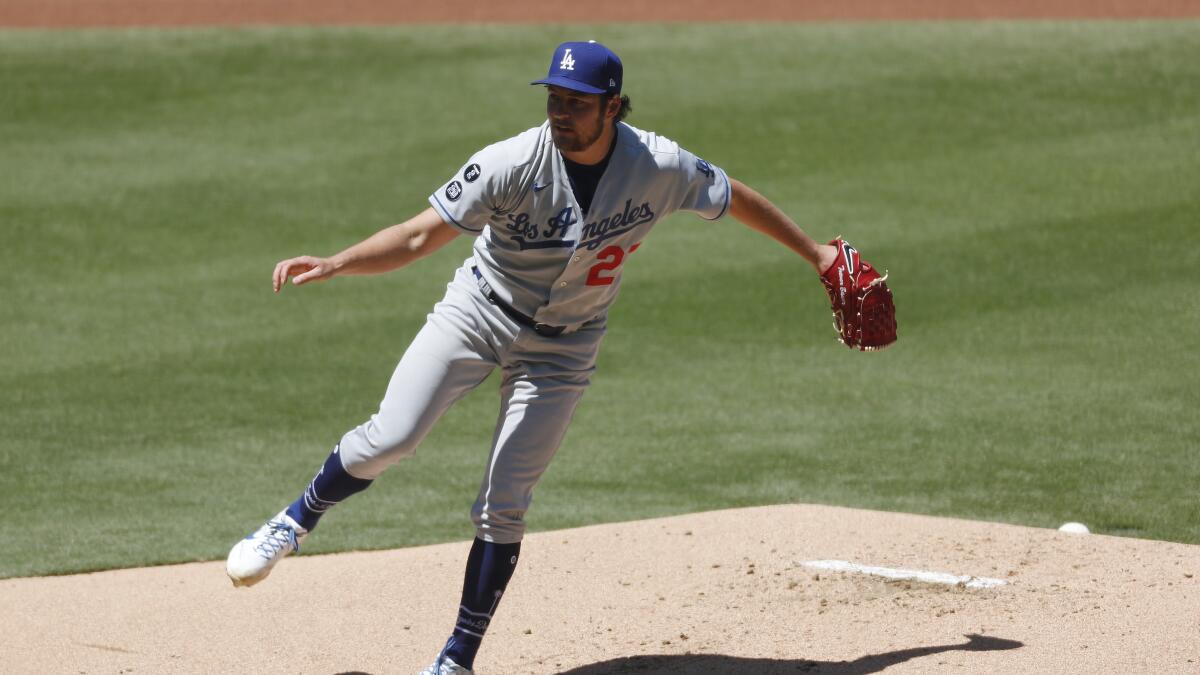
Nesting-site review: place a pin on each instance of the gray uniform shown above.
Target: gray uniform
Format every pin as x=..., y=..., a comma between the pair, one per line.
x=540, y=261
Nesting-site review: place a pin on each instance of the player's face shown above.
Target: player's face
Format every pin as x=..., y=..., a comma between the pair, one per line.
x=576, y=119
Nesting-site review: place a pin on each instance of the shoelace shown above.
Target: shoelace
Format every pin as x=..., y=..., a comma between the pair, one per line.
x=441, y=660
x=281, y=534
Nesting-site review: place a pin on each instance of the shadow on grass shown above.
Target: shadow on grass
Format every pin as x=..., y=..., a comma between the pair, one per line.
x=697, y=664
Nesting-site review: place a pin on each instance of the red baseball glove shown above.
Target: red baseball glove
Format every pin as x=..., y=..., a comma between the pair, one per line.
x=863, y=312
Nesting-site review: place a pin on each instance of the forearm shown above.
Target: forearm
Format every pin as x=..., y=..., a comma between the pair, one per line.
x=394, y=247
x=758, y=213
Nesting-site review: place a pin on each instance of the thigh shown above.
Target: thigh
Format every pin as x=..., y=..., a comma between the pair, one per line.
x=538, y=399
x=444, y=362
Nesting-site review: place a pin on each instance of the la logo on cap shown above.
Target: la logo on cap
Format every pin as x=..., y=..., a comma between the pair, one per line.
x=587, y=67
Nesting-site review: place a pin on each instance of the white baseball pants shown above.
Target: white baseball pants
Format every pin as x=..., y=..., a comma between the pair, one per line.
x=463, y=340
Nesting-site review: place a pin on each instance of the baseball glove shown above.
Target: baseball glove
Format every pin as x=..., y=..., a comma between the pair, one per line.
x=863, y=312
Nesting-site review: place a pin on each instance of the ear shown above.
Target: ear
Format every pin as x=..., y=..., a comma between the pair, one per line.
x=614, y=106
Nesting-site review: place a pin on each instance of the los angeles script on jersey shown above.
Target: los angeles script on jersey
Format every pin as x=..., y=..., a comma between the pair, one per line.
x=534, y=235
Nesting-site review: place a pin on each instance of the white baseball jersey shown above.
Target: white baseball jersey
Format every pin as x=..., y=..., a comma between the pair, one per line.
x=536, y=249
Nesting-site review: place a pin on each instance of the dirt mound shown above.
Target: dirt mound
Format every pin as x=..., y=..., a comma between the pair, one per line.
x=719, y=592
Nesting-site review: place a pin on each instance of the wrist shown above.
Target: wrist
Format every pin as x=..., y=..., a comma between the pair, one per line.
x=826, y=256
x=337, y=264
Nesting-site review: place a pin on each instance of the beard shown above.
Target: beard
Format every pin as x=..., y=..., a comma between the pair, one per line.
x=581, y=137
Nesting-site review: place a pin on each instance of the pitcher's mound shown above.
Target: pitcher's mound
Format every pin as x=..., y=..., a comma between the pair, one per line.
x=719, y=592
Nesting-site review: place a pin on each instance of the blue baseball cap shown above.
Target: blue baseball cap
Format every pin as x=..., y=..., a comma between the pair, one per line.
x=589, y=67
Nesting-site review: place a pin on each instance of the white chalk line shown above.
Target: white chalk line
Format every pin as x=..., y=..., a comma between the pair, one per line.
x=919, y=575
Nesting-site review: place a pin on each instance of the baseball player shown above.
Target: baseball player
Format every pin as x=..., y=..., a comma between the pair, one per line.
x=556, y=212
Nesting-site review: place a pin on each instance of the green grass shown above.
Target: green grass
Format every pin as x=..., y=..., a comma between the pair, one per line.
x=1034, y=189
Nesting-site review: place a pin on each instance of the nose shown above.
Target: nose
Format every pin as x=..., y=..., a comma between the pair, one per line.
x=556, y=110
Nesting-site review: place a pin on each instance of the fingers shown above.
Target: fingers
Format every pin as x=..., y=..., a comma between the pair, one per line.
x=279, y=274
x=282, y=269
x=301, y=266
x=316, y=272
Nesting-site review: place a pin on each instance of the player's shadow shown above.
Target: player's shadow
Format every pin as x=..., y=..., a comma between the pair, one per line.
x=698, y=664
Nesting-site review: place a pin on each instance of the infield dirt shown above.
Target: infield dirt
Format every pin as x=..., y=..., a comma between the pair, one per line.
x=720, y=592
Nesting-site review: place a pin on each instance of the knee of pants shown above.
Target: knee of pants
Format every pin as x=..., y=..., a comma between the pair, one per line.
x=502, y=526
x=370, y=448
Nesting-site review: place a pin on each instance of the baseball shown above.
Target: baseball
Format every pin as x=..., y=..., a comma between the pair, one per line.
x=1074, y=528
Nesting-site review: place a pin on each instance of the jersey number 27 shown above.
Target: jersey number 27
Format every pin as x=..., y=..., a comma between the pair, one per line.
x=610, y=259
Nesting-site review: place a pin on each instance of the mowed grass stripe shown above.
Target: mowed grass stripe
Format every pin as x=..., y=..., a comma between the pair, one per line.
x=1031, y=187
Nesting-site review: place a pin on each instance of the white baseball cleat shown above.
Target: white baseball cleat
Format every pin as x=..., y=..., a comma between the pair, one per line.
x=444, y=665
x=252, y=558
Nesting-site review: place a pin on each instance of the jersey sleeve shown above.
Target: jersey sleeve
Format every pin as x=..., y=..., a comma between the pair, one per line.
x=479, y=190
x=706, y=189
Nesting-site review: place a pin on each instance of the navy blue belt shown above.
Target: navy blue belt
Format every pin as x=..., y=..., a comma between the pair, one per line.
x=543, y=329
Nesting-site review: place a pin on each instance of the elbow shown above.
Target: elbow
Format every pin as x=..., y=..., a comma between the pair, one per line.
x=424, y=236
x=416, y=241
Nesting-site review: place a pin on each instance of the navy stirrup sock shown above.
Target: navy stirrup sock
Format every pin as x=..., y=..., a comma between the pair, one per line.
x=489, y=567
x=330, y=486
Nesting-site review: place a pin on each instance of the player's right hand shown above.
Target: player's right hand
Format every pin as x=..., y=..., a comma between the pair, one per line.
x=303, y=269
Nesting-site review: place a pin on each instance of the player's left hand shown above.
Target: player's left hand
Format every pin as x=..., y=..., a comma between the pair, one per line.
x=864, y=314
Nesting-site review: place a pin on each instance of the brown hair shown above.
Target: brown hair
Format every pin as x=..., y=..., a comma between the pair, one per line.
x=626, y=106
